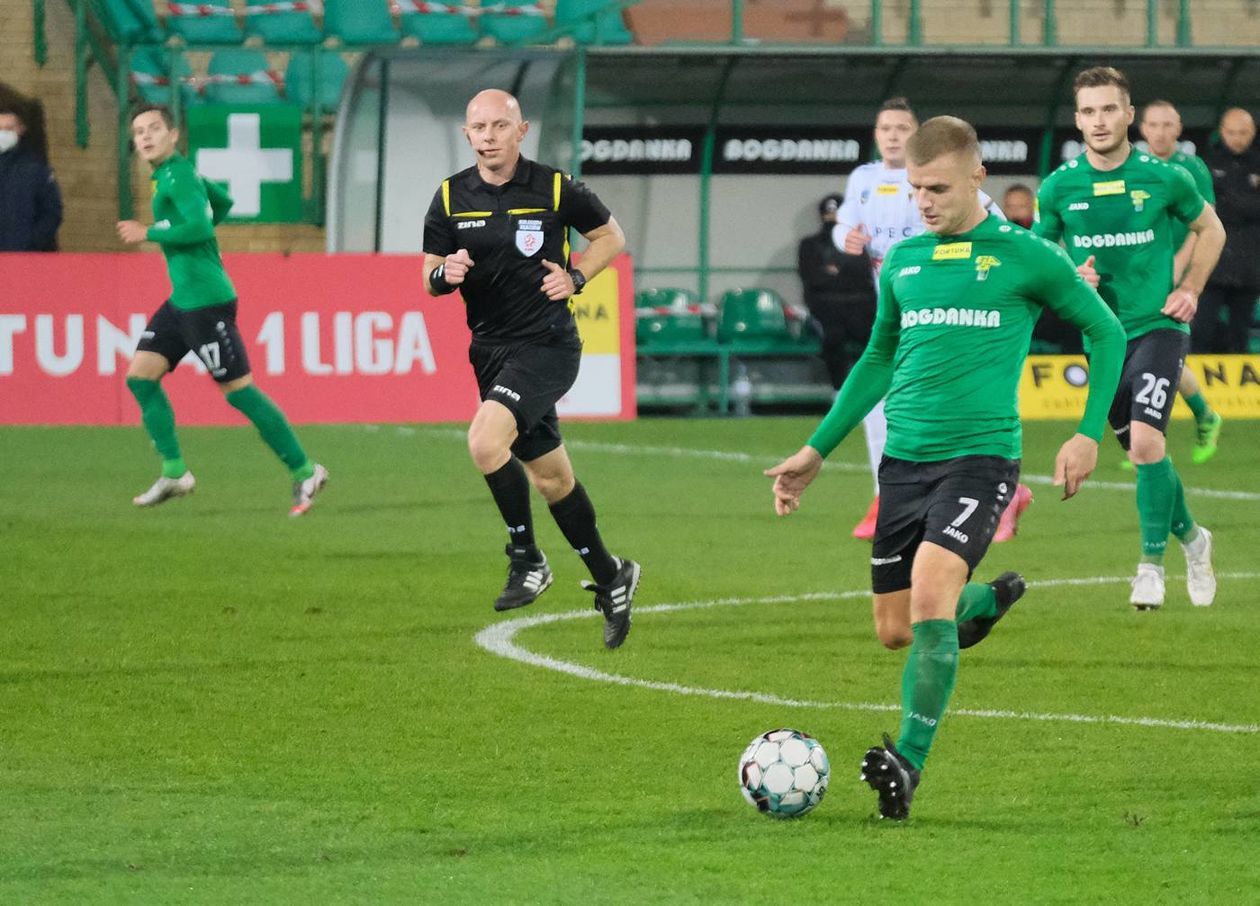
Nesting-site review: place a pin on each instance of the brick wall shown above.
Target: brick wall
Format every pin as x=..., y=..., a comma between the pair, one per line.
x=88, y=176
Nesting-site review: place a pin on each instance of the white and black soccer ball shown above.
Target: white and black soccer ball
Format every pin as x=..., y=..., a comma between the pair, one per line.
x=784, y=773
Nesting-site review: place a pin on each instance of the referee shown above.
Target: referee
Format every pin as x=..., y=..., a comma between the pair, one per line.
x=498, y=232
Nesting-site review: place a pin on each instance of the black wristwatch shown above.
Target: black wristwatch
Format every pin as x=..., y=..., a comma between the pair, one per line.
x=579, y=280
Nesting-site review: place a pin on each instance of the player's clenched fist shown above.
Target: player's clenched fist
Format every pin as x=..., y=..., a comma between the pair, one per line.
x=456, y=266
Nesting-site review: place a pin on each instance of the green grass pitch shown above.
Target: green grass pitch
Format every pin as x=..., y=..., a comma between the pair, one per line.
x=212, y=703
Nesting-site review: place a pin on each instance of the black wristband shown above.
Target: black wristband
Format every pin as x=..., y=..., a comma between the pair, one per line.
x=437, y=280
x=579, y=280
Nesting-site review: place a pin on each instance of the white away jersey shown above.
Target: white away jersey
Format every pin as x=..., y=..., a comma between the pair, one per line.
x=881, y=200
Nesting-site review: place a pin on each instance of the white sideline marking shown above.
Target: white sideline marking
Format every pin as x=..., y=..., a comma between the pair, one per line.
x=500, y=639
x=750, y=459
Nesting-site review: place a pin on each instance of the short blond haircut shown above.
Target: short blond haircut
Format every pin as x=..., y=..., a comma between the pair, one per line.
x=943, y=135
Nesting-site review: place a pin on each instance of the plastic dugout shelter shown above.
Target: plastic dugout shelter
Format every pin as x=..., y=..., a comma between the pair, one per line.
x=399, y=124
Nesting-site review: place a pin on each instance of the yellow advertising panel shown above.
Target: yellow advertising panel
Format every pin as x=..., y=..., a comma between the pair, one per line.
x=597, y=312
x=1055, y=386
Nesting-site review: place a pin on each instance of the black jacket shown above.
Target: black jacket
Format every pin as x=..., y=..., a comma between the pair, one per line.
x=830, y=277
x=1236, y=178
x=30, y=203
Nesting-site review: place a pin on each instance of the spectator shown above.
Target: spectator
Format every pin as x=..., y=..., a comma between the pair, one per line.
x=1017, y=205
x=838, y=293
x=30, y=201
x=1235, y=283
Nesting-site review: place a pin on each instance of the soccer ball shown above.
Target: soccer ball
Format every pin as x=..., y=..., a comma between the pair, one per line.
x=784, y=773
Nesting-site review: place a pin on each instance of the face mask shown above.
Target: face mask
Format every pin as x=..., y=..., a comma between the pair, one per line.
x=8, y=140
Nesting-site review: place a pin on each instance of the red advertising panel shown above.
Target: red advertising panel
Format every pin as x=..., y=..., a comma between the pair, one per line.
x=332, y=338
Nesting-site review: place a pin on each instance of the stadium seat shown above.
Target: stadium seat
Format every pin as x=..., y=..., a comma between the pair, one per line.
x=672, y=322
x=751, y=314
x=248, y=78
x=332, y=73
x=150, y=74
x=296, y=26
x=360, y=21
x=130, y=21
x=204, y=23
x=596, y=24
x=518, y=24
x=435, y=27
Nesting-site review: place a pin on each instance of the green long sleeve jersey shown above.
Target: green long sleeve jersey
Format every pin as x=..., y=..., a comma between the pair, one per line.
x=186, y=209
x=1124, y=217
x=1202, y=178
x=951, y=333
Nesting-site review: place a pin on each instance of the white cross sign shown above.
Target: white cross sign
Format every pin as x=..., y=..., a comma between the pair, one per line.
x=244, y=164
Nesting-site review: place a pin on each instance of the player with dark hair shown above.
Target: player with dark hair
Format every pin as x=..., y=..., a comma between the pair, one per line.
x=498, y=232
x=200, y=316
x=1114, y=207
x=956, y=311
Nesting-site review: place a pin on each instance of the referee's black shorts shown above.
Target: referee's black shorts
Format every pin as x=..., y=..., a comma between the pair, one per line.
x=954, y=503
x=528, y=378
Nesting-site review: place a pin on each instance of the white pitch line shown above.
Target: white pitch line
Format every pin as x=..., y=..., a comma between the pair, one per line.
x=750, y=459
x=500, y=639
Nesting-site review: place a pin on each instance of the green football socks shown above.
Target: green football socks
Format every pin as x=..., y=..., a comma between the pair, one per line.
x=159, y=422
x=926, y=685
x=978, y=599
x=1198, y=405
x=274, y=428
x=1157, y=484
x=1182, y=522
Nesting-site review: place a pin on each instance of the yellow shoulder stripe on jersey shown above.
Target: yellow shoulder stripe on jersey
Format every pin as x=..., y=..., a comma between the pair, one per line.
x=471, y=214
x=526, y=210
x=1114, y=187
x=446, y=196
x=555, y=193
x=952, y=251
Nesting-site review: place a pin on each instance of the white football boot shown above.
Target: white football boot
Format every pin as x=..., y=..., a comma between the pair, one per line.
x=166, y=488
x=1148, y=587
x=304, y=491
x=1200, y=577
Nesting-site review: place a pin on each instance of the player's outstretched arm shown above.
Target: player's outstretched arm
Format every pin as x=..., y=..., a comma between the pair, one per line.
x=1075, y=462
x=792, y=477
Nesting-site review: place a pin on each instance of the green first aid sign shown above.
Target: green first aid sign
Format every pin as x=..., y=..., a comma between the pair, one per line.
x=256, y=153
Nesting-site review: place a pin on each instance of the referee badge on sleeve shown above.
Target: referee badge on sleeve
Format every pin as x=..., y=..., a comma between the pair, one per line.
x=529, y=237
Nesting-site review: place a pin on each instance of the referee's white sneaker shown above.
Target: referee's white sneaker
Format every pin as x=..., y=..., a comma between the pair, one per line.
x=1200, y=577
x=166, y=488
x=1148, y=587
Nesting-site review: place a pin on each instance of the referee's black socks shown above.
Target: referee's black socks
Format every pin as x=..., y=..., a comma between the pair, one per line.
x=576, y=517
x=510, y=487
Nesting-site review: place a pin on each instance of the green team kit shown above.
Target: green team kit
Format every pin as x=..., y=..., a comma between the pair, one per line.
x=200, y=316
x=1201, y=176
x=1128, y=219
x=953, y=326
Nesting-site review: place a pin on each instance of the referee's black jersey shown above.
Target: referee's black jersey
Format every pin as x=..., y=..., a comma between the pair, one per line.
x=508, y=230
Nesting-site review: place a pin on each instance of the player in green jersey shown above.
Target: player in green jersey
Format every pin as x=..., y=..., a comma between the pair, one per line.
x=1161, y=127
x=199, y=316
x=955, y=316
x=1113, y=207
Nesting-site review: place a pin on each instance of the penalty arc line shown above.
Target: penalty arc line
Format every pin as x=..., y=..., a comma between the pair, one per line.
x=750, y=459
x=500, y=639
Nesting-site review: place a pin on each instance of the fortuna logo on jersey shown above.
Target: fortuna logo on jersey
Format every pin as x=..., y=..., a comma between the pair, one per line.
x=952, y=251
x=1139, y=198
x=1113, y=187
x=529, y=237
x=983, y=265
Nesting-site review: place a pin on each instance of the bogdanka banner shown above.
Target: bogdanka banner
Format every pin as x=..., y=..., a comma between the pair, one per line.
x=1055, y=386
x=333, y=338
